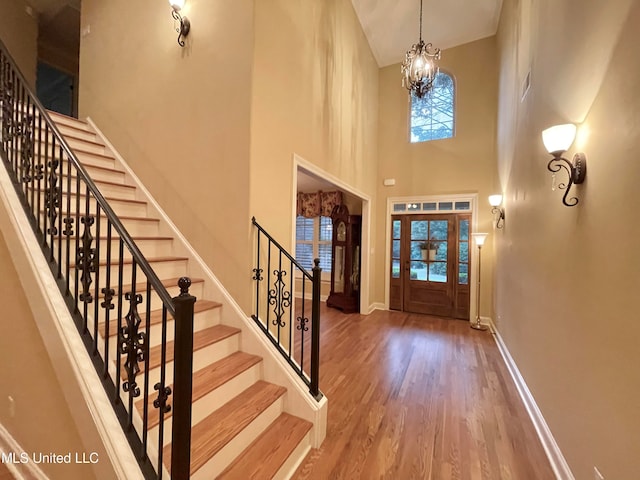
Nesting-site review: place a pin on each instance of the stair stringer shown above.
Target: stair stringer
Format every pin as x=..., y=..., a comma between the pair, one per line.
x=91, y=410
x=299, y=401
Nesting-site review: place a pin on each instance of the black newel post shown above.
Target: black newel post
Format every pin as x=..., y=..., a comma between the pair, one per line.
x=315, y=331
x=182, y=380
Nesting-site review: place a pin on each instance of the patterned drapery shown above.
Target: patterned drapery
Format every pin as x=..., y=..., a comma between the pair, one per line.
x=318, y=204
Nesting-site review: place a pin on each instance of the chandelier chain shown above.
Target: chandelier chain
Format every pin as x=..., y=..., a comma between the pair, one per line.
x=420, y=20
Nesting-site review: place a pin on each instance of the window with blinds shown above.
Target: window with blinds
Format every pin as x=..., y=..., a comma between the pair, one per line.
x=313, y=240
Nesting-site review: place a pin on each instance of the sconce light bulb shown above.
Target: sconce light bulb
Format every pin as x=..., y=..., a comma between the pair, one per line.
x=558, y=139
x=176, y=4
x=495, y=200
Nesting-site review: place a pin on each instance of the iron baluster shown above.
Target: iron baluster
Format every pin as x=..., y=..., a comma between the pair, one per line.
x=132, y=343
x=162, y=401
x=86, y=262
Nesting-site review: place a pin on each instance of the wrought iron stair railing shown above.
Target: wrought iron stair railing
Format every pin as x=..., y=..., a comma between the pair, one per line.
x=104, y=278
x=279, y=305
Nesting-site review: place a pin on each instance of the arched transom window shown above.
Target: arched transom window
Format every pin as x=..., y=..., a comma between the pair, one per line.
x=432, y=116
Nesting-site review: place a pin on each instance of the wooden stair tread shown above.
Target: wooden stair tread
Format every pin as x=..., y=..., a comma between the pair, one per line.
x=156, y=315
x=264, y=457
x=103, y=216
x=210, y=435
x=207, y=380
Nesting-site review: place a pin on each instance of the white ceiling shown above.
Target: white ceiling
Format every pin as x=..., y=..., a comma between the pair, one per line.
x=50, y=8
x=392, y=26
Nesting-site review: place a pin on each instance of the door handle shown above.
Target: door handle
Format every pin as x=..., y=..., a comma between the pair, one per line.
x=406, y=266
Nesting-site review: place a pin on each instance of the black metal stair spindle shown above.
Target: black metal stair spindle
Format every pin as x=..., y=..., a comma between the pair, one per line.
x=145, y=412
x=161, y=403
x=96, y=294
x=119, y=317
x=76, y=271
x=107, y=302
x=68, y=228
x=60, y=216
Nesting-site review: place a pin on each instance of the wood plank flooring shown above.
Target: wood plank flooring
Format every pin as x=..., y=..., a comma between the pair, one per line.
x=419, y=397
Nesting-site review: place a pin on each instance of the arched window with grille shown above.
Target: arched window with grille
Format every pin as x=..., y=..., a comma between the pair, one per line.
x=432, y=116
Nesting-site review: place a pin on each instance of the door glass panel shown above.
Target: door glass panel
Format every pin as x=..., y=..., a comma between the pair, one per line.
x=464, y=252
x=463, y=274
x=464, y=229
x=419, y=229
x=438, y=272
x=441, y=251
x=396, y=228
x=418, y=271
x=416, y=250
x=438, y=229
x=395, y=268
x=395, y=252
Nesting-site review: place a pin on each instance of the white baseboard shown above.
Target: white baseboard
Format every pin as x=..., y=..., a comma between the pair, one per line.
x=375, y=306
x=551, y=448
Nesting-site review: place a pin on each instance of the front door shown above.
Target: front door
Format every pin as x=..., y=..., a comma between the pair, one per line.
x=430, y=264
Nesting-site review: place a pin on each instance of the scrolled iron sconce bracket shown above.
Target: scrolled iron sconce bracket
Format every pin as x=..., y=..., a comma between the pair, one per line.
x=184, y=27
x=576, y=171
x=500, y=212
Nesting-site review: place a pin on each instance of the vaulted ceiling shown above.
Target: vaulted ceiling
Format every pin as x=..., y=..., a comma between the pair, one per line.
x=392, y=26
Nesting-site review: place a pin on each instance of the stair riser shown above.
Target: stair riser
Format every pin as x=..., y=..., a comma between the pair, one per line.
x=156, y=304
x=49, y=144
x=169, y=269
x=121, y=207
x=216, y=464
x=135, y=227
x=45, y=153
x=214, y=400
x=202, y=357
x=149, y=248
x=107, y=189
x=293, y=462
x=62, y=121
x=201, y=320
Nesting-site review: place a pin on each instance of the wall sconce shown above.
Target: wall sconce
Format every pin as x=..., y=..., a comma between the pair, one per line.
x=185, y=24
x=495, y=201
x=557, y=140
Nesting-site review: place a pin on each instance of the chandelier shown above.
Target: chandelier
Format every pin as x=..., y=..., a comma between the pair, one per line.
x=420, y=66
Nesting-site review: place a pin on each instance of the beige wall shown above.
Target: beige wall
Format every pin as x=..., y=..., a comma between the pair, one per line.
x=42, y=421
x=179, y=116
x=19, y=32
x=567, y=277
x=315, y=94
x=462, y=164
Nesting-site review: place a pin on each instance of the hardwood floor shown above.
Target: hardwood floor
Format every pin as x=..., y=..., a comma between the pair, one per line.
x=419, y=397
